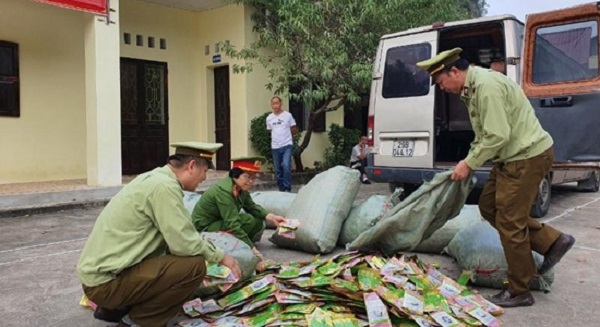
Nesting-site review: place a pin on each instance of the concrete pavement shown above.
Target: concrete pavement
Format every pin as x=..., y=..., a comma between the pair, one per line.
x=38, y=254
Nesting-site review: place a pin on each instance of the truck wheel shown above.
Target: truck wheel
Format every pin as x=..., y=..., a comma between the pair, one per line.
x=592, y=184
x=408, y=190
x=542, y=201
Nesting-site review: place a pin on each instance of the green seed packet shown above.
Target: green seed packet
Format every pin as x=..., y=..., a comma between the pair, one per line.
x=435, y=302
x=319, y=318
x=368, y=279
x=330, y=268
x=289, y=272
x=465, y=277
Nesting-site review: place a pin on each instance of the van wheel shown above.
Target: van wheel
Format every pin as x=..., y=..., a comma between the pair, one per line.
x=592, y=184
x=542, y=201
x=394, y=186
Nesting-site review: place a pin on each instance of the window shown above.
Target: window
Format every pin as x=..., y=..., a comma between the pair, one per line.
x=565, y=53
x=401, y=77
x=9, y=79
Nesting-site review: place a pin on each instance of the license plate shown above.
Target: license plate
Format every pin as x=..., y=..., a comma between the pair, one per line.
x=403, y=148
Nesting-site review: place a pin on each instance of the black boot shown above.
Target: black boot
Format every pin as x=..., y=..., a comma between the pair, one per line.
x=114, y=315
x=506, y=300
x=557, y=250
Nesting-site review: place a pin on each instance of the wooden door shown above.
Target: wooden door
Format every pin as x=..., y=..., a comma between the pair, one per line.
x=144, y=115
x=222, y=117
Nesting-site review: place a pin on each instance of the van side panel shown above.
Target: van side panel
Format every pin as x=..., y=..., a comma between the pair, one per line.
x=574, y=124
x=403, y=115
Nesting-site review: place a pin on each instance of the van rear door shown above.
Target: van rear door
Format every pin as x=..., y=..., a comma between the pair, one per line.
x=404, y=102
x=561, y=77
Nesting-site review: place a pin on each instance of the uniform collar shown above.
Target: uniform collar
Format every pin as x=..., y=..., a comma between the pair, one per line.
x=169, y=171
x=469, y=89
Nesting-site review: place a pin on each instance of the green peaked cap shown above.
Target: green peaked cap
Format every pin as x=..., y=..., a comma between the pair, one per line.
x=442, y=60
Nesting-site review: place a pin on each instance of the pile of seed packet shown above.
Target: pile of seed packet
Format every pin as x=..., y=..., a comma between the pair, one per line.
x=288, y=228
x=349, y=290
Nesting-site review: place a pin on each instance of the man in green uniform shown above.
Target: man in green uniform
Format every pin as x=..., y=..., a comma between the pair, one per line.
x=124, y=266
x=219, y=208
x=508, y=133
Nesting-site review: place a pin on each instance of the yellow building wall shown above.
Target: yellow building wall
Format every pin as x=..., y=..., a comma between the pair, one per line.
x=187, y=114
x=48, y=141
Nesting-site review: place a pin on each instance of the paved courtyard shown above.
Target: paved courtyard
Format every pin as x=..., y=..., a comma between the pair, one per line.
x=38, y=254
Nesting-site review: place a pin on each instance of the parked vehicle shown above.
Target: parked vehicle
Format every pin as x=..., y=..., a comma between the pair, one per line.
x=416, y=130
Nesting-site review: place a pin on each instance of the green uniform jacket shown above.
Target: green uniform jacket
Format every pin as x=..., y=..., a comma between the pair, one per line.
x=219, y=204
x=506, y=128
x=144, y=219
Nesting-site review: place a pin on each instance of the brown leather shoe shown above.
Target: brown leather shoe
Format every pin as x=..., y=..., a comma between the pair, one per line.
x=557, y=250
x=110, y=315
x=506, y=300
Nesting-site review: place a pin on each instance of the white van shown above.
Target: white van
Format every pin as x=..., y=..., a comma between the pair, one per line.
x=416, y=130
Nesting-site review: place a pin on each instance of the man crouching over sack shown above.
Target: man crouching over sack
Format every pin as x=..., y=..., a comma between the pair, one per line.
x=124, y=266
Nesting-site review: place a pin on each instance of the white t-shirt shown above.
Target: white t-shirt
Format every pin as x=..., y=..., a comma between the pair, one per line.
x=280, y=125
x=356, y=151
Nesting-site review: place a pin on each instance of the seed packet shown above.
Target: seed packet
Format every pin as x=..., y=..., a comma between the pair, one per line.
x=347, y=275
x=288, y=228
x=485, y=317
x=420, y=283
x=345, y=285
x=368, y=279
x=398, y=281
x=490, y=307
x=423, y=321
x=188, y=307
x=289, y=272
x=376, y=311
x=194, y=323
x=392, y=267
x=393, y=298
x=207, y=307
x=450, y=288
x=305, y=308
x=308, y=269
x=444, y=319
x=320, y=280
x=217, y=271
x=263, y=318
x=330, y=268
x=435, y=302
x=319, y=318
x=465, y=277
x=413, y=302
x=375, y=262
x=247, y=291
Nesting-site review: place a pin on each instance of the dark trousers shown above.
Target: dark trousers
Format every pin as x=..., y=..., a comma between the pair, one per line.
x=154, y=290
x=360, y=166
x=282, y=163
x=505, y=202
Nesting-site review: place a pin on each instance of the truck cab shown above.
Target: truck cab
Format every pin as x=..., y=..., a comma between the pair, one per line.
x=416, y=130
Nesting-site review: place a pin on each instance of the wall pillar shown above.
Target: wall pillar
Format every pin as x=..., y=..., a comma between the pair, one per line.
x=103, y=99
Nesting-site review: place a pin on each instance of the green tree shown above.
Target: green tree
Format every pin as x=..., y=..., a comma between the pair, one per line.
x=326, y=47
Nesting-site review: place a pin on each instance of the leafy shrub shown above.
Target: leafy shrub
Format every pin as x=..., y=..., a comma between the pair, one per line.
x=260, y=137
x=342, y=141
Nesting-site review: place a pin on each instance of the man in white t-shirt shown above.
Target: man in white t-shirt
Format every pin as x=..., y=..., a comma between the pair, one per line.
x=282, y=126
x=358, y=158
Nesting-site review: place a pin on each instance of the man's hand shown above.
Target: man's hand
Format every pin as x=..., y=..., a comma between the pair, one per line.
x=461, y=171
x=229, y=262
x=275, y=219
x=260, y=267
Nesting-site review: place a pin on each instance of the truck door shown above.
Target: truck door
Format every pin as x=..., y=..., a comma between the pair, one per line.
x=562, y=80
x=404, y=102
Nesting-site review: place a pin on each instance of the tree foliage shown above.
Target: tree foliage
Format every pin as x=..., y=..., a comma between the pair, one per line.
x=326, y=48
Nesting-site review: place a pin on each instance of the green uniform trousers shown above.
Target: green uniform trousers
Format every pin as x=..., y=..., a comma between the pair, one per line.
x=252, y=226
x=154, y=290
x=506, y=202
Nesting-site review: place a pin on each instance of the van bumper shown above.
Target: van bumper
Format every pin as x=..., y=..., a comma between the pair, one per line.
x=400, y=175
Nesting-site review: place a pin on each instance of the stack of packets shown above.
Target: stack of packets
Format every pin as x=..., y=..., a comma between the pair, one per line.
x=219, y=276
x=348, y=290
x=288, y=229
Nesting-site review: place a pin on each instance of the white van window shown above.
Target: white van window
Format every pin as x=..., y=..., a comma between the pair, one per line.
x=566, y=53
x=401, y=77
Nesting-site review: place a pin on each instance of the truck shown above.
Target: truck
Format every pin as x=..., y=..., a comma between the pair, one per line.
x=415, y=130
